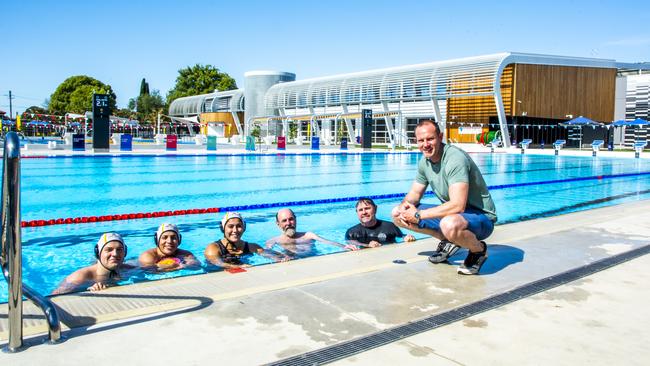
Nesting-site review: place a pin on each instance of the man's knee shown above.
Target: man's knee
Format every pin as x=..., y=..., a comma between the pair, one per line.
x=452, y=225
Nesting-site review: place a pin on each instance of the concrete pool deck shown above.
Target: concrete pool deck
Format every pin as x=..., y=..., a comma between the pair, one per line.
x=273, y=312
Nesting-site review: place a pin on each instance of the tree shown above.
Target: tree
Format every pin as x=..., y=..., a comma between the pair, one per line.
x=199, y=79
x=36, y=110
x=144, y=87
x=147, y=106
x=75, y=95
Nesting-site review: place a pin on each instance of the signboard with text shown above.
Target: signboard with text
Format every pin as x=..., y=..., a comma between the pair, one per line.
x=366, y=129
x=101, y=121
x=172, y=142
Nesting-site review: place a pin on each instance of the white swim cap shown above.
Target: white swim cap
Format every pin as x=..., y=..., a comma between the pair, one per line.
x=230, y=216
x=167, y=227
x=105, y=239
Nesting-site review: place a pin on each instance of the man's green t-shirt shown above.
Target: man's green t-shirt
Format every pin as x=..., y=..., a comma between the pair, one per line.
x=457, y=167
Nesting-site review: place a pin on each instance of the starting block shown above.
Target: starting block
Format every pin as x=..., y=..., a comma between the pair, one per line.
x=638, y=147
x=596, y=145
x=524, y=144
x=494, y=144
x=558, y=145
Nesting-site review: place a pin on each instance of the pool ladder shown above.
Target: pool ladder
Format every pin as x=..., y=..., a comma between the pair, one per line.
x=11, y=253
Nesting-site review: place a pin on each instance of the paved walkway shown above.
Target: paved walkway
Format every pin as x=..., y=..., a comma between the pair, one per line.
x=277, y=311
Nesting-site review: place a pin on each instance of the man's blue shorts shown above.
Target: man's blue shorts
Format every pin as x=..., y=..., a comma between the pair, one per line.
x=477, y=222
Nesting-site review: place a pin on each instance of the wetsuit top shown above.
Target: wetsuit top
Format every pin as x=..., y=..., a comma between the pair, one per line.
x=383, y=231
x=231, y=258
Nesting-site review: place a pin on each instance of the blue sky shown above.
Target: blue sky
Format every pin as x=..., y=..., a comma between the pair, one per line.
x=120, y=42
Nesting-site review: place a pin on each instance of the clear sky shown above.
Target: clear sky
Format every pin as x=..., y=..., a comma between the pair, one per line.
x=120, y=42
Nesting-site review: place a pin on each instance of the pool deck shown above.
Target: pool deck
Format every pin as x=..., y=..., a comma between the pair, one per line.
x=273, y=312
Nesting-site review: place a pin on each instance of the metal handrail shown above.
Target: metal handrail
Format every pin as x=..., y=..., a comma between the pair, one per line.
x=11, y=251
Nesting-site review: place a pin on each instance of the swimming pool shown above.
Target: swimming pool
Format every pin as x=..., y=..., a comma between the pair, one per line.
x=523, y=187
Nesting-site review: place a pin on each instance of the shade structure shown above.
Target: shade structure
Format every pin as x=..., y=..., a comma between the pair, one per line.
x=581, y=121
x=636, y=122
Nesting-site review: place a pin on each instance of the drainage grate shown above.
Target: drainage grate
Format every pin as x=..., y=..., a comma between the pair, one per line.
x=355, y=346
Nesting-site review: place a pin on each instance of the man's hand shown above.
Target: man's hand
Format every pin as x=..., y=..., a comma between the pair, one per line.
x=409, y=238
x=97, y=287
x=407, y=216
x=374, y=244
x=351, y=247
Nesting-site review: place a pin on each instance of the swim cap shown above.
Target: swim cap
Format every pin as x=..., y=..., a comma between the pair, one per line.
x=105, y=239
x=167, y=227
x=229, y=216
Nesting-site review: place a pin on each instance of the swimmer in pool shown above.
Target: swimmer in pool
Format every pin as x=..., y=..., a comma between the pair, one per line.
x=166, y=256
x=110, y=252
x=294, y=242
x=228, y=251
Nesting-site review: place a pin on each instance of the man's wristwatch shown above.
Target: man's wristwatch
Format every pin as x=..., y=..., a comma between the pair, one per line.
x=417, y=216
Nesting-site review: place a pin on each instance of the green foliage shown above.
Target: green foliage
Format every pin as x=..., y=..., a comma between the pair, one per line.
x=199, y=79
x=36, y=110
x=75, y=95
x=257, y=130
x=144, y=87
x=147, y=106
x=124, y=113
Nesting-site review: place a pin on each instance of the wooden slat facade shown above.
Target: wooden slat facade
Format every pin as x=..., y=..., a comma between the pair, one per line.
x=557, y=91
x=540, y=91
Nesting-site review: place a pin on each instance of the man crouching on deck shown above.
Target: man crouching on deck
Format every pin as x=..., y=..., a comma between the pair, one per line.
x=467, y=214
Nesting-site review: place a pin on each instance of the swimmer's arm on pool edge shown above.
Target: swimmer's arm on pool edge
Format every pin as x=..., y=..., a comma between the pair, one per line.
x=77, y=280
x=212, y=254
x=372, y=244
x=270, y=254
x=313, y=236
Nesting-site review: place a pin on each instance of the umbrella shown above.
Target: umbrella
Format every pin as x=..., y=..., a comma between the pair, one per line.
x=636, y=122
x=580, y=122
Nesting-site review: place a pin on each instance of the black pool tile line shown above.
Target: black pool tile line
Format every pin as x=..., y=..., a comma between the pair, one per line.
x=362, y=344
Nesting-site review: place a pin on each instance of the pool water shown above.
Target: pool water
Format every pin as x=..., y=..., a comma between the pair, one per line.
x=523, y=187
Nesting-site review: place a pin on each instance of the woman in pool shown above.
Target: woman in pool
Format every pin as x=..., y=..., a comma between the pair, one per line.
x=228, y=251
x=166, y=256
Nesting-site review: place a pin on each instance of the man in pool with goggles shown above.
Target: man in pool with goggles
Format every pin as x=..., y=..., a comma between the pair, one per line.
x=166, y=256
x=467, y=213
x=229, y=251
x=110, y=252
x=296, y=243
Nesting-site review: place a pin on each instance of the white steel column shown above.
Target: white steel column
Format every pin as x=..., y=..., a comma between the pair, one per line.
x=442, y=124
x=389, y=124
x=501, y=113
x=235, y=117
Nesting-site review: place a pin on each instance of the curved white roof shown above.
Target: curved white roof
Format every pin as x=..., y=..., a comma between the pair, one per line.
x=230, y=101
x=469, y=76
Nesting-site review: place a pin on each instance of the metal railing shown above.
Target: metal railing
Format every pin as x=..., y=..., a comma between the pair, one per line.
x=11, y=252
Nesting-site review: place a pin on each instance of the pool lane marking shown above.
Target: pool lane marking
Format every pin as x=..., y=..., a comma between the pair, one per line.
x=141, y=215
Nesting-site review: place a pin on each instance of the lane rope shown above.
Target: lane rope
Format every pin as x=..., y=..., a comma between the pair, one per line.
x=200, y=211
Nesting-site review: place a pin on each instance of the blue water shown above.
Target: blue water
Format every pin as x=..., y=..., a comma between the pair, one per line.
x=71, y=187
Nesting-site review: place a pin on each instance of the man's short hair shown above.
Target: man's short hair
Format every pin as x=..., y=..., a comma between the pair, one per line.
x=425, y=121
x=277, y=214
x=366, y=200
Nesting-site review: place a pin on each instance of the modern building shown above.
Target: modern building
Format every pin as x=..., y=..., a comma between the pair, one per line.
x=513, y=93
